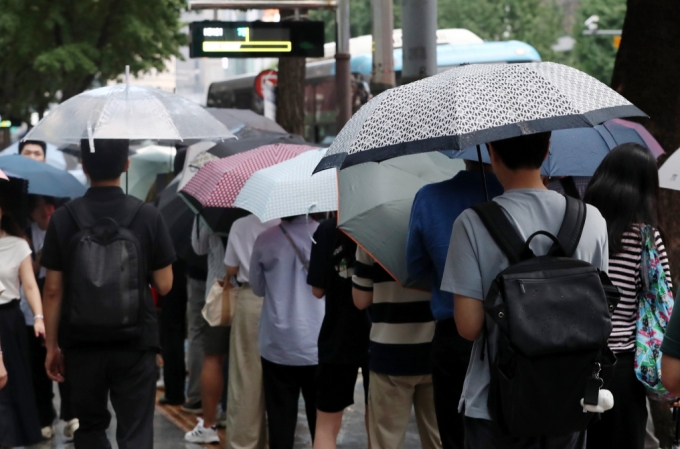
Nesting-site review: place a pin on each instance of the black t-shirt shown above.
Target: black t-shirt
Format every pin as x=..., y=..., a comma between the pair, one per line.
x=153, y=235
x=344, y=333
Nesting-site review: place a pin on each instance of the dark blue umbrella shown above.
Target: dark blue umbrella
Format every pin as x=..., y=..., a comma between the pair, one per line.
x=43, y=179
x=573, y=152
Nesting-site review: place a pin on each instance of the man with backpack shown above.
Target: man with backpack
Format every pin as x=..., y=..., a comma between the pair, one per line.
x=102, y=252
x=537, y=311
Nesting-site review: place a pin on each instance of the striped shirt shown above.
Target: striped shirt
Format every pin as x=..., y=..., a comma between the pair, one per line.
x=624, y=271
x=401, y=335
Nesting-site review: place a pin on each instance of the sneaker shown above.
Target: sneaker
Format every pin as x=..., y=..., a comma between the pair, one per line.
x=165, y=401
x=71, y=428
x=202, y=435
x=194, y=408
x=47, y=432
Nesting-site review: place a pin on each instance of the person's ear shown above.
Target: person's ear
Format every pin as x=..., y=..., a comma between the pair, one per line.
x=127, y=166
x=493, y=157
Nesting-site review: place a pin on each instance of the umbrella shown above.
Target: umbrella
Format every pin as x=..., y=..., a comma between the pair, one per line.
x=3, y=176
x=43, y=179
x=669, y=173
x=471, y=105
x=375, y=205
x=593, y=145
x=191, y=164
x=239, y=119
x=217, y=183
x=124, y=111
x=145, y=165
x=289, y=189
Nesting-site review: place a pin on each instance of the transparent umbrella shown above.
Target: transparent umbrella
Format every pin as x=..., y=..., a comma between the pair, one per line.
x=124, y=111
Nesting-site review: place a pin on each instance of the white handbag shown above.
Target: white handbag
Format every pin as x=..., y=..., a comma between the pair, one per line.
x=219, y=307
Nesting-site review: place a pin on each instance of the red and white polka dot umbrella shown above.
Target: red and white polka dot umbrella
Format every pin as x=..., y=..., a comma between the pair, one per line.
x=218, y=183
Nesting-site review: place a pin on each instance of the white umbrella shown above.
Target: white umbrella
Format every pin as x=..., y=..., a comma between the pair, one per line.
x=124, y=111
x=669, y=173
x=192, y=164
x=288, y=189
x=145, y=165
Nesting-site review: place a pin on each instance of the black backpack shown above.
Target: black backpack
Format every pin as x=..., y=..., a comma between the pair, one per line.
x=106, y=278
x=553, y=314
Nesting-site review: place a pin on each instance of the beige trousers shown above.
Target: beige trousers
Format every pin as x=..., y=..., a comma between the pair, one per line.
x=246, y=425
x=390, y=399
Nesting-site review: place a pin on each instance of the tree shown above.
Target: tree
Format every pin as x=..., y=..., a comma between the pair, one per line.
x=645, y=73
x=55, y=49
x=595, y=54
x=290, y=92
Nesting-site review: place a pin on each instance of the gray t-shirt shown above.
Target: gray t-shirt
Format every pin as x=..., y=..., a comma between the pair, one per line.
x=474, y=260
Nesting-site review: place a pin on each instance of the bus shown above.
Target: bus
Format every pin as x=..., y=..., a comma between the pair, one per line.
x=454, y=47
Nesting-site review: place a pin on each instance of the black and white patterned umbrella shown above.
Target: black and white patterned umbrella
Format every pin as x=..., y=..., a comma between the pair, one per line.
x=471, y=105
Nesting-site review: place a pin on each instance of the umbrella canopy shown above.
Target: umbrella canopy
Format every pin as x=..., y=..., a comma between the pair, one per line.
x=54, y=157
x=593, y=145
x=289, y=189
x=375, y=205
x=43, y=179
x=238, y=119
x=3, y=176
x=474, y=104
x=128, y=112
x=145, y=165
x=218, y=183
x=669, y=173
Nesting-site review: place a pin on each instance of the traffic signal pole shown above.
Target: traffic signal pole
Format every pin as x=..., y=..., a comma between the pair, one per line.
x=419, y=39
x=343, y=75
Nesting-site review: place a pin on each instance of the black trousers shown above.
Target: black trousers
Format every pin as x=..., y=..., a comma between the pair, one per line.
x=130, y=379
x=485, y=434
x=42, y=385
x=622, y=427
x=450, y=359
x=173, y=318
x=282, y=386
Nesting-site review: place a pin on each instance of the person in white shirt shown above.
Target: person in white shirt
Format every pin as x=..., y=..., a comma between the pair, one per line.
x=19, y=423
x=245, y=407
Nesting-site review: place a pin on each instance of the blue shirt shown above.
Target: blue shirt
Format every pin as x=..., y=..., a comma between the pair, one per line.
x=435, y=209
x=291, y=315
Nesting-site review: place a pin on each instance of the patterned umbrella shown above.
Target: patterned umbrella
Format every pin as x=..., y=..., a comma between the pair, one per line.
x=289, y=189
x=218, y=183
x=471, y=105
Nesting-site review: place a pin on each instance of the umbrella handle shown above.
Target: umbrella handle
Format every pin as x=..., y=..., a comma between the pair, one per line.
x=481, y=164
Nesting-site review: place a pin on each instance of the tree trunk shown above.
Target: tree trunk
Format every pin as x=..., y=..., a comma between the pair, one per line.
x=290, y=92
x=645, y=73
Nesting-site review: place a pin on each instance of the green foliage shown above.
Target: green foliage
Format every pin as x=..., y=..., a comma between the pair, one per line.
x=54, y=49
x=595, y=55
x=537, y=22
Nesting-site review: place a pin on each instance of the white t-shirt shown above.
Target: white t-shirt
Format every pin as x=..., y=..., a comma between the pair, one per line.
x=242, y=237
x=13, y=251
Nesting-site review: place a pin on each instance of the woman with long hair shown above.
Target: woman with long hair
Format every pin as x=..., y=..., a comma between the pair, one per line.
x=625, y=189
x=19, y=423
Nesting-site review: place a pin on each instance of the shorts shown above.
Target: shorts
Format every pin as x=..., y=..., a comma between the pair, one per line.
x=335, y=386
x=216, y=339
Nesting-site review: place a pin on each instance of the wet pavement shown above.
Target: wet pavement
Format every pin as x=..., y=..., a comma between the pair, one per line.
x=170, y=425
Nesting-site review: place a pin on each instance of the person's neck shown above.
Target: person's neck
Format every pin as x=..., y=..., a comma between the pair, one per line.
x=522, y=179
x=105, y=183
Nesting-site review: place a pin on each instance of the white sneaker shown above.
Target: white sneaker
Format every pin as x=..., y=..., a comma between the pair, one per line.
x=71, y=428
x=201, y=434
x=47, y=432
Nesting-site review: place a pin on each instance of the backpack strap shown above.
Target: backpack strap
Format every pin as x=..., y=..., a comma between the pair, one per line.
x=503, y=232
x=84, y=219
x=570, y=232
x=128, y=211
x=81, y=215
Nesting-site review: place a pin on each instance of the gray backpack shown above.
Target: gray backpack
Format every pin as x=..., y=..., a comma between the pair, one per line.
x=106, y=278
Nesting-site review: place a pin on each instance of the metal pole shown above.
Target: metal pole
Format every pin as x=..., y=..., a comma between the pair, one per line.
x=343, y=76
x=383, y=46
x=481, y=166
x=419, y=39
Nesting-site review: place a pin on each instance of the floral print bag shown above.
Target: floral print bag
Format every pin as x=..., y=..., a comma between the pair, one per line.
x=655, y=305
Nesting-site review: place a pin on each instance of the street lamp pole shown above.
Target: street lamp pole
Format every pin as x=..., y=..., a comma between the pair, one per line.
x=419, y=39
x=342, y=64
x=383, y=46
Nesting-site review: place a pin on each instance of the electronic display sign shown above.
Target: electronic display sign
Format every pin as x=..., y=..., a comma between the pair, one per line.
x=256, y=39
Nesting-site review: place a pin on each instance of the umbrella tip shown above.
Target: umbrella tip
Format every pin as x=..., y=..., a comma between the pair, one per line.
x=127, y=75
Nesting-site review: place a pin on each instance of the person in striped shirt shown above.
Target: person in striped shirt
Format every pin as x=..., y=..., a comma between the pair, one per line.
x=399, y=359
x=625, y=189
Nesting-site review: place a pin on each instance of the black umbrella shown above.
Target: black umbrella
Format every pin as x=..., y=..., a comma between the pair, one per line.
x=235, y=119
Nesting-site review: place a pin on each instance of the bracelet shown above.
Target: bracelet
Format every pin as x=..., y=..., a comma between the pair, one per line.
x=39, y=317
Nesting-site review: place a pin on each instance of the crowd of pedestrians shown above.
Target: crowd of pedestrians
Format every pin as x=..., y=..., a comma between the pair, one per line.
x=312, y=311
